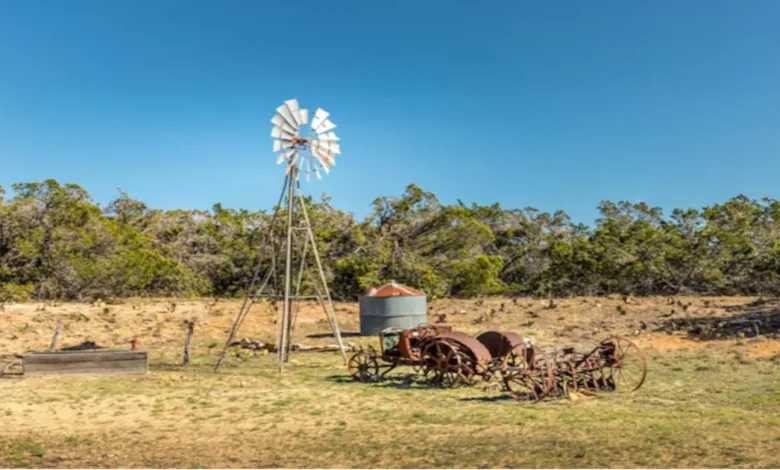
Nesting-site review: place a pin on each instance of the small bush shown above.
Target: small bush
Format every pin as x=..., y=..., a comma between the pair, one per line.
x=11, y=292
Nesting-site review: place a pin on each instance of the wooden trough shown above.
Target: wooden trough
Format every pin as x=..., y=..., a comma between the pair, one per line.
x=100, y=362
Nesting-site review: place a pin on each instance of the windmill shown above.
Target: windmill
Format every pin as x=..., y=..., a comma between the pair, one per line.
x=304, y=148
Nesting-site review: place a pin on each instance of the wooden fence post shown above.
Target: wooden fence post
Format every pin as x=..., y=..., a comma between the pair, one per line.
x=56, y=336
x=190, y=331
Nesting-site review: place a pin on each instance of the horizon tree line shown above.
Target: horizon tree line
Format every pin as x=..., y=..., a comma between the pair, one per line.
x=57, y=243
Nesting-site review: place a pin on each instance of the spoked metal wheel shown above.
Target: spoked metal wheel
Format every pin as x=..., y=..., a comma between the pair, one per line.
x=444, y=364
x=527, y=370
x=625, y=364
x=363, y=367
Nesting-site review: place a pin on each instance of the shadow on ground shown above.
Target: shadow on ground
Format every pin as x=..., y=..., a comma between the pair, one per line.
x=344, y=334
x=496, y=398
x=758, y=318
x=403, y=382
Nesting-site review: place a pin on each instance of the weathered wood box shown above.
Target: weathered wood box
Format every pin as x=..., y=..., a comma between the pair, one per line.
x=100, y=362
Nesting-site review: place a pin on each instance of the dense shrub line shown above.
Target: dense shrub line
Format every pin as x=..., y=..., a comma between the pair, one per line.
x=55, y=242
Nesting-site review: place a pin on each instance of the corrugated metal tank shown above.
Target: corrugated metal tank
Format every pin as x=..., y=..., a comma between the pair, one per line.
x=391, y=305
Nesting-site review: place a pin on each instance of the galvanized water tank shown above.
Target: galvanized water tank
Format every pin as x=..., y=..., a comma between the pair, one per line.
x=391, y=305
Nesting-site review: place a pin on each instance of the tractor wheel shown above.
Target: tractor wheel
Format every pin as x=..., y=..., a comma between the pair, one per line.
x=363, y=367
x=445, y=365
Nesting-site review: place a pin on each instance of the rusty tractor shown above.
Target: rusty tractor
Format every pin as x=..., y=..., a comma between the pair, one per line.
x=450, y=359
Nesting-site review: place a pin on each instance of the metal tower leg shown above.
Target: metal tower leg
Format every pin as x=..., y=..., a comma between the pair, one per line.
x=333, y=321
x=287, y=272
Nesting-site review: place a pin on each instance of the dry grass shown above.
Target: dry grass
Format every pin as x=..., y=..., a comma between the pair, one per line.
x=705, y=404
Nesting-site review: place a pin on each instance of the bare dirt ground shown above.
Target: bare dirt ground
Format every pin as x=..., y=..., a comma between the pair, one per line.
x=713, y=403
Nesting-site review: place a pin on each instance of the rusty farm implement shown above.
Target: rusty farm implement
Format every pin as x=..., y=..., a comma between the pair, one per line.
x=450, y=359
x=616, y=363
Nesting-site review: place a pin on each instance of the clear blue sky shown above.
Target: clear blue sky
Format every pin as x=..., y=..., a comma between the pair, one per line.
x=549, y=104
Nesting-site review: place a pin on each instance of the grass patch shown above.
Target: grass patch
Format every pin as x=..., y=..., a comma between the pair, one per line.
x=22, y=451
x=702, y=406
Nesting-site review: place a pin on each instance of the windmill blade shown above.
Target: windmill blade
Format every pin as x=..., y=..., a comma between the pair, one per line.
x=284, y=111
x=289, y=129
x=325, y=157
x=292, y=105
x=323, y=128
x=279, y=133
x=331, y=160
x=327, y=147
x=330, y=136
x=308, y=169
x=323, y=163
x=324, y=152
x=280, y=122
x=317, y=172
x=285, y=155
x=331, y=147
x=277, y=120
x=287, y=115
x=282, y=144
x=319, y=116
x=304, y=116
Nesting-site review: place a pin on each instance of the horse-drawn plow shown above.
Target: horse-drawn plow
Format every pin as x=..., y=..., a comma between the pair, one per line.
x=450, y=359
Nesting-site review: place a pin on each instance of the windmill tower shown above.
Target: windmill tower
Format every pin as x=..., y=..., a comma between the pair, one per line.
x=304, y=148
